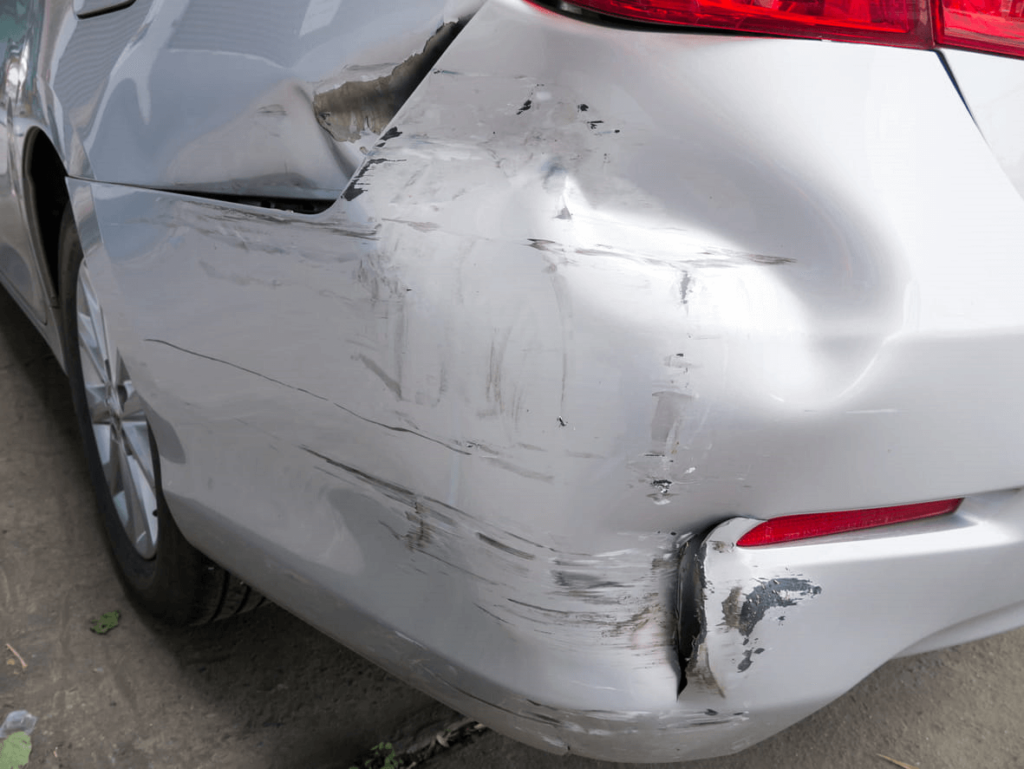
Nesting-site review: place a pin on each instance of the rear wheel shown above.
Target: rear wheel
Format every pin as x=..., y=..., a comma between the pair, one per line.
x=163, y=573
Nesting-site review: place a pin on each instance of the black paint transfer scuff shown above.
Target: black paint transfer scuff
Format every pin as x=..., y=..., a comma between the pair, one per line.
x=745, y=662
x=505, y=548
x=355, y=189
x=391, y=133
x=745, y=612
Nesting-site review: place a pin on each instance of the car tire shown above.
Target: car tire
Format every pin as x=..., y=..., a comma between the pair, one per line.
x=163, y=574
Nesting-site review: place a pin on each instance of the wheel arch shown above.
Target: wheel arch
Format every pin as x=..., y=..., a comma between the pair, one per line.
x=46, y=198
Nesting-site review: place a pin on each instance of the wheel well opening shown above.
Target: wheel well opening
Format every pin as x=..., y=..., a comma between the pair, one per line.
x=47, y=198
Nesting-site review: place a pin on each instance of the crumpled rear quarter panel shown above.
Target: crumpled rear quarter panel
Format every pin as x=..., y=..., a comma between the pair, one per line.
x=574, y=310
x=229, y=98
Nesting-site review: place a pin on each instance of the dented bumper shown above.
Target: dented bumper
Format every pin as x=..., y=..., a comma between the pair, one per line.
x=564, y=321
x=787, y=628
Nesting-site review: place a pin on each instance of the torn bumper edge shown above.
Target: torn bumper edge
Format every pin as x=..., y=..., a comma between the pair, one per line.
x=787, y=628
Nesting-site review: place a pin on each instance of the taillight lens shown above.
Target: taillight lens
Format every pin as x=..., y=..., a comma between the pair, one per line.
x=898, y=22
x=984, y=25
x=789, y=528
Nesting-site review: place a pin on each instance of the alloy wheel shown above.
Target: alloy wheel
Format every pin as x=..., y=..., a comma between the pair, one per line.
x=119, y=424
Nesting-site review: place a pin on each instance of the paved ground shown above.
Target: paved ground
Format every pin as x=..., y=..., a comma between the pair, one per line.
x=265, y=691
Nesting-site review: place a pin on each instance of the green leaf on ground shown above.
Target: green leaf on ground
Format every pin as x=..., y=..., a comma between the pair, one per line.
x=15, y=750
x=105, y=624
x=382, y=756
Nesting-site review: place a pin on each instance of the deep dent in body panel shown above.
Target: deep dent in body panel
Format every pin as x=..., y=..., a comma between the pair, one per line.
x=626, y=597
x=678, y=417
x=617, y=597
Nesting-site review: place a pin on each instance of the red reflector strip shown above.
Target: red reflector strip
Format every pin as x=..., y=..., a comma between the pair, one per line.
x=981, y=25
x=793, y=527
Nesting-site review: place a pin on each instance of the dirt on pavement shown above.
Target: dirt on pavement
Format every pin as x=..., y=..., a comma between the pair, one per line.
x=265, y=691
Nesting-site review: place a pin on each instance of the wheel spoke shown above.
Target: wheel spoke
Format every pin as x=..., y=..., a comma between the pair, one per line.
x=131, y=409
x=114, y=363
x=88, y=304
x=119, y=424
x=107, y=448
x=136, y=438
x=96, y=400
x=141, y=502
x=119, y=489
x=94, y=370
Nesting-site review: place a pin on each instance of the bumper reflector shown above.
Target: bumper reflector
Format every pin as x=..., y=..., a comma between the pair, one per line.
x=789, y=528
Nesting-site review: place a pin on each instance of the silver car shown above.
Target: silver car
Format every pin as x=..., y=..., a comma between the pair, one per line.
x=634, y=376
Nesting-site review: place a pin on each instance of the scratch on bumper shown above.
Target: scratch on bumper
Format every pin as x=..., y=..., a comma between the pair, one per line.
x=741, y=611
x=443, y=475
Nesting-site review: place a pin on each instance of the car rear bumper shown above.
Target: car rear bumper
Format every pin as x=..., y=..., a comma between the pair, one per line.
x=574, y=312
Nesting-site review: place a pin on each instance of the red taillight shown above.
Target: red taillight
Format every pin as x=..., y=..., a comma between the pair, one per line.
x=898, y=22
x=983, y=25
x=793, y=527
